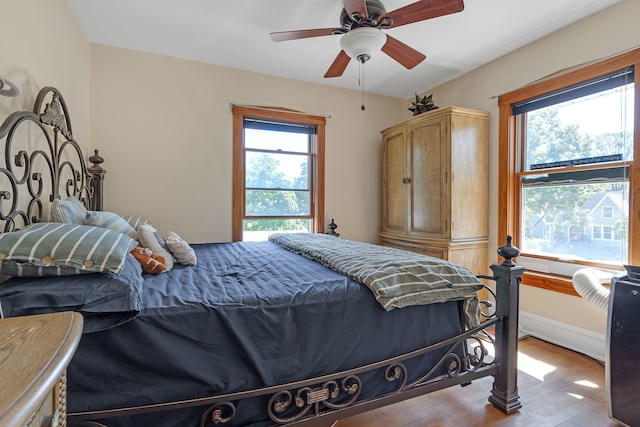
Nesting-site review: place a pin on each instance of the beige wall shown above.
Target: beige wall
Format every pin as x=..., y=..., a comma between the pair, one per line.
x=41, y=44
x=164, y=127
x=611, y=31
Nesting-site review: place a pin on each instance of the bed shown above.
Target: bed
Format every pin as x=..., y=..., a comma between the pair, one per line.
x=291, y=331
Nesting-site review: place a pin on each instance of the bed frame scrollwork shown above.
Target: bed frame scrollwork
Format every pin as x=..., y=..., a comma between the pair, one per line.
x=42, y=161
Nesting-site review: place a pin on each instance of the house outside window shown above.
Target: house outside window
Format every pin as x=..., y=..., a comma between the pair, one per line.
x=566, y=160
x=278, y=172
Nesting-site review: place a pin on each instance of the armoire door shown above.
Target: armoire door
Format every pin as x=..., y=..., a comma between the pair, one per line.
x=428, y=168
x=394, y=213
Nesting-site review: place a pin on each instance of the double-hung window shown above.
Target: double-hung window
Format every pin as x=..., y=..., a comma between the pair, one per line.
x=278, y=172
x=567, y=167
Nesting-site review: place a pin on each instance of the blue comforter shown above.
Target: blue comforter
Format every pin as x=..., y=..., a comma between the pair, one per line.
x=248, y=315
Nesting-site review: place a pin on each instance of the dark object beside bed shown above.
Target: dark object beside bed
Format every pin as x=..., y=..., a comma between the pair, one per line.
x=253, y=335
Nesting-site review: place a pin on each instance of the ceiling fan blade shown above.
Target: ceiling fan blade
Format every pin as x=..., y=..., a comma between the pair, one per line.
x=339, y=65
x=407, y=56
x=356, y=6
x=422, y=10
x=303, y=34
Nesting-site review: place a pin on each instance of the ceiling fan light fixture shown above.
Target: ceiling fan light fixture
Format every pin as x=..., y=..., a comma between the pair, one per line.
x=361, y=43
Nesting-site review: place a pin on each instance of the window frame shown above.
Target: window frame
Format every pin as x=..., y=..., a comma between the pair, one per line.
x=510, y=187
x=316, y=169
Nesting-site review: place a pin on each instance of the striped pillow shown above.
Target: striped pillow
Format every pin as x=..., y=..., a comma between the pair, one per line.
x=24, y=269
x=135, y=221
x=69, y=211
x=63, y=249
x=112, y=221
x=181, y=250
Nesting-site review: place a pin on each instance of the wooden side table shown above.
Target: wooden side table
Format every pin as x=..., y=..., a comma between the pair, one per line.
x=34, y=354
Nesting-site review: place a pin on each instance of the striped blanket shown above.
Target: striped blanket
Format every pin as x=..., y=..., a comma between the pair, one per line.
x=397, y=278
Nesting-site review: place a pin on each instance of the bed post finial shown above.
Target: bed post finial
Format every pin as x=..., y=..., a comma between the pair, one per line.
x=508, y=276
x=96, y=159
x=508, y=252
x=98, y=177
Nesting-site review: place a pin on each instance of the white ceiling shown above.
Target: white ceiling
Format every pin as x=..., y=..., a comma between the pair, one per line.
x=235, y=33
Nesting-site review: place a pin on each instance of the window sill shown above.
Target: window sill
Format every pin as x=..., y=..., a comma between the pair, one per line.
x=549, y=282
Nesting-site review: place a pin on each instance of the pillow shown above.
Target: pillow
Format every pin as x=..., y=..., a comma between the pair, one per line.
x=151, y=239
x=135, y=221
x=25, y=269
x=180, y=249
x=112, y=221
x=69, y=211
x=105, y=300
x=51, y=245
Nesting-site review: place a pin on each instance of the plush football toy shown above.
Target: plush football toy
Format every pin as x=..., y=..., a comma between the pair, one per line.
x=151, y=263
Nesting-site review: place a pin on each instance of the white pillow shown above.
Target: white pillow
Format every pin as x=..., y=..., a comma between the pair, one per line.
x=180, y=249
x=148, y=237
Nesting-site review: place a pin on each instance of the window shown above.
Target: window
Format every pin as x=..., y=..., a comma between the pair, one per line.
x=278, y=172
x=567, y=171
x=575, y=146
x=597, y=232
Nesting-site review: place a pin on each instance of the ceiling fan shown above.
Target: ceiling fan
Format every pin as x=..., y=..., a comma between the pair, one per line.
x=362, y=22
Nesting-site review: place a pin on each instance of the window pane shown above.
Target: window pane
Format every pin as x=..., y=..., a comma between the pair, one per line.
x=277, y=203
x=259, y=229
x=273, y=140
x=584, y=128
x=567, y=222
x=277, y=171
x=597, y=232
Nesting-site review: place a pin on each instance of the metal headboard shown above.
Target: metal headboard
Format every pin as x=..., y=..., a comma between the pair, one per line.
x=42, y=162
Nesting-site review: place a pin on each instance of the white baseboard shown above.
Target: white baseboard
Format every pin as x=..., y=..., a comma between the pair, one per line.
x=563, y=334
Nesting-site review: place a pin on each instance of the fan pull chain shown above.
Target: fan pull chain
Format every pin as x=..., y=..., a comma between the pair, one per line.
x=361, y=72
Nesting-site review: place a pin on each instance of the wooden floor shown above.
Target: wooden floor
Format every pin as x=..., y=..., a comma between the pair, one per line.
x=557, y=387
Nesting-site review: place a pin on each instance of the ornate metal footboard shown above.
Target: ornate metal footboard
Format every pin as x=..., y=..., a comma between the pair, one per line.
x=489, y=349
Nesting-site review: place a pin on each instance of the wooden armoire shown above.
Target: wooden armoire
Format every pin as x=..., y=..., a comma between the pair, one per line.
x=435, y=186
